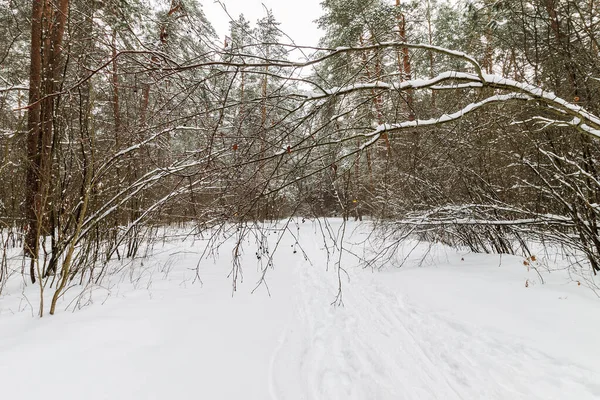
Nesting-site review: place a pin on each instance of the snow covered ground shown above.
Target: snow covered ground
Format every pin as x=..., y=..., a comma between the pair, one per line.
x=452, y=325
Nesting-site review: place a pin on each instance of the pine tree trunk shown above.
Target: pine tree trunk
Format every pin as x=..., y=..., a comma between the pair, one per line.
x=404, y=65
x=34, y=133
x=48, y=20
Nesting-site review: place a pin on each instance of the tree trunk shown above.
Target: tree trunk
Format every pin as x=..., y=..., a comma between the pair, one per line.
x=34, y=133
x=404, y=64
x=48, y=19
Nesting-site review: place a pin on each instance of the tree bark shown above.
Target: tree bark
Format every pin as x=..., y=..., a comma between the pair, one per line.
x=34, y=133
x=404, y=62
x=48, y=21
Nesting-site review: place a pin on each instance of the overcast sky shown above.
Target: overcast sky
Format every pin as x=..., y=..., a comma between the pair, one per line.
x=296, y=17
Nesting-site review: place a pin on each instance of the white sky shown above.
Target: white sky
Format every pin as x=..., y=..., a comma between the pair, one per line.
x=296, y=17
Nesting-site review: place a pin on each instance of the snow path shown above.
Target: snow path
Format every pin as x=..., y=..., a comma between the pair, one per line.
x=450, y=330
x=381, y=346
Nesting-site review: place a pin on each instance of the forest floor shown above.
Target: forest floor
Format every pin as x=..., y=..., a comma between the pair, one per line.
x=446, y=325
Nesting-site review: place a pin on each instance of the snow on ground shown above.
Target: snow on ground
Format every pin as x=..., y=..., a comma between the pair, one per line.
x=450, y=325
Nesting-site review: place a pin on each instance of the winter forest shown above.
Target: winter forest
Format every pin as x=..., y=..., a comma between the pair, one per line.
x=425, y=177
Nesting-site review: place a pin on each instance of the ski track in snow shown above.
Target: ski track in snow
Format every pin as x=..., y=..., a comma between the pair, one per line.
x=380, y=346
x=165, y=338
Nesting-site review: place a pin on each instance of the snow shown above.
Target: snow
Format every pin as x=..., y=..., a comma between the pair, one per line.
x=583, y=120
x=445, y=118
x=403, y=85
x=446, y=325
x=12, y=88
